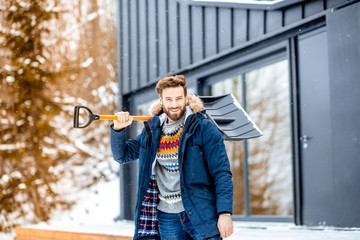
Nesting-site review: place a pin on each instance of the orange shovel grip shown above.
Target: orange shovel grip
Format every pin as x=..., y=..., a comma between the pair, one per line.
x=136, y=118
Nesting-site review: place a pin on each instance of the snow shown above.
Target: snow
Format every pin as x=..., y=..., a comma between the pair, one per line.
x=242, y=230
x=87, y=62
x=98, y=206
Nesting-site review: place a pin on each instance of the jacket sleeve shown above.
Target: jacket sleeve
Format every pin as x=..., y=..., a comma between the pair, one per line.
x=124, y=151
x=218, y=166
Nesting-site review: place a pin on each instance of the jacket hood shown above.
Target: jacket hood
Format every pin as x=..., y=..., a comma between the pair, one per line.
x=194, y=103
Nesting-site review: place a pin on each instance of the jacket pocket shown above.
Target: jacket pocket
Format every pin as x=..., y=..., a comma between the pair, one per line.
x=195, y=171
x=203, y=193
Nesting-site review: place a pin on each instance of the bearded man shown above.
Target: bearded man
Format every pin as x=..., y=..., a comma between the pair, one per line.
x=185, y=188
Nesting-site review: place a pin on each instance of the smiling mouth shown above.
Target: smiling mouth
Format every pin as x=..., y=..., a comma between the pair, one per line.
x=174, y=110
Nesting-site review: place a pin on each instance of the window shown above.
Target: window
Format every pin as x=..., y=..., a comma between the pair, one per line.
x=143, y=109
x=262, y=167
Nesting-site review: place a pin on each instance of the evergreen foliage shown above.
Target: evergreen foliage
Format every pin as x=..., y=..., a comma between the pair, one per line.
x=28, y=140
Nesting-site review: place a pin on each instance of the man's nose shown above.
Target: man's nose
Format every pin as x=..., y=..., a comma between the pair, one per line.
x=174, y=103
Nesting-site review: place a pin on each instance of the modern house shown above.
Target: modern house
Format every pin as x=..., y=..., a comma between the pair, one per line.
x=293, y=65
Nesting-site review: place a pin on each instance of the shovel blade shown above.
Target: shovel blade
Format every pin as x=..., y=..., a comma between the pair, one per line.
x=230, y=118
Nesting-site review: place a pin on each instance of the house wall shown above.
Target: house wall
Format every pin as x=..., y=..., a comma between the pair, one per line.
x=162, y=37
x=344, y=61
x=165, y=37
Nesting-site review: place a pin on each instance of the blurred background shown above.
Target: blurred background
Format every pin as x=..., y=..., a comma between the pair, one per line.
x=54, y=54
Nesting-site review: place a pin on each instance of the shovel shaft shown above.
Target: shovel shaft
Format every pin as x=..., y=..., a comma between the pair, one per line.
x=136, y=118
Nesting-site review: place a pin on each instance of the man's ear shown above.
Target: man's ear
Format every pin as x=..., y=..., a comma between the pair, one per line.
x=160, y=100
x=187, y=99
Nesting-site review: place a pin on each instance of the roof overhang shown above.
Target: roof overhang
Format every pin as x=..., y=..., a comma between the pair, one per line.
x=248, y=4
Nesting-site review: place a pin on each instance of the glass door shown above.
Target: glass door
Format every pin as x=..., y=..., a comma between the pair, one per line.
x=261, y=167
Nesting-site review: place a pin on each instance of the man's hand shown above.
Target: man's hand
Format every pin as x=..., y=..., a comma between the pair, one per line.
x=225, y=225
x=124, y=120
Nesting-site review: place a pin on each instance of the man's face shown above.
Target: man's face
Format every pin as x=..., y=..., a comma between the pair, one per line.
x=174, y=103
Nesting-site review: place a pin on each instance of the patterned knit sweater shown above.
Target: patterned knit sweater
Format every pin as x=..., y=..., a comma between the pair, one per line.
x=167, y=168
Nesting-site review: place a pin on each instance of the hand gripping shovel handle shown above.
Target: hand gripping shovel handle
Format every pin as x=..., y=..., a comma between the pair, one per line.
x=92, y=117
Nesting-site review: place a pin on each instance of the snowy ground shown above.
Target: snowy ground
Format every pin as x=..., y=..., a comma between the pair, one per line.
x=98, y=206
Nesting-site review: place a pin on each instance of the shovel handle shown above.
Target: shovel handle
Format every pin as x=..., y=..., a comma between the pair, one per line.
x=136, y=118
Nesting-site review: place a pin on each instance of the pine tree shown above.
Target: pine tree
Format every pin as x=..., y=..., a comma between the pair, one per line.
x=29, y=153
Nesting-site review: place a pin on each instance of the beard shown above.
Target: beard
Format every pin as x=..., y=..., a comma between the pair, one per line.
x=175, y=116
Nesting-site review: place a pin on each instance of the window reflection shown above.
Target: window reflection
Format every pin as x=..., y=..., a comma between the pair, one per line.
x=269, y=160
x=269, y=157
x=143, y=109
x=234, y=149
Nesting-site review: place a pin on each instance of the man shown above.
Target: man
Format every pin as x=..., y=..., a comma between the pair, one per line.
x=185, y=188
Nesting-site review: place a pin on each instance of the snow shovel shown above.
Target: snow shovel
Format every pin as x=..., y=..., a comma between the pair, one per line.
x=83, y=117
x=230, y=118
x=224, y=111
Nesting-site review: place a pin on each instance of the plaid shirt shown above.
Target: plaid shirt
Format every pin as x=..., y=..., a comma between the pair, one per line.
x=149, y=225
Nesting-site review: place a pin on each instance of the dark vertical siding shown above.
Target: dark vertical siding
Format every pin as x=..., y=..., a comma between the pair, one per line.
x=153, y=40
x=224, y=29
x=125, y=47
x=210, y=31
x=333, y=3
x=119, y=42
x=292, y=14
x=273, y=21
x=239, y=26
x=134, y=44
x=163, y=37
x=173, y=36
x=344, y=57
x=184, y=24
x=256, y=24
x=313, y=7
x=143, y=42
x=197, y=34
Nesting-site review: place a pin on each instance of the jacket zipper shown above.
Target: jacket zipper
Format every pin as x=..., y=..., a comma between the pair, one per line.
x=148, y=131
x=184, y=142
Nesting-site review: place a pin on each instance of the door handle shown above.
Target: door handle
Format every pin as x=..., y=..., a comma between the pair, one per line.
x=304, y=139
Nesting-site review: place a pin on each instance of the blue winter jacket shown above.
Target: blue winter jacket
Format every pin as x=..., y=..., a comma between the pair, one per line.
x=205, y=176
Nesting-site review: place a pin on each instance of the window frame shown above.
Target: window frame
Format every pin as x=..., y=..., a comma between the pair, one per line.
x=256, y=60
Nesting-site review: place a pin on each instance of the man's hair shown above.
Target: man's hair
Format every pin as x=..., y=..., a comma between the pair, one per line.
x=169, y=82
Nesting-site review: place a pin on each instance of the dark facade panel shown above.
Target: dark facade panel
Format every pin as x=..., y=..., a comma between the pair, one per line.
x=125, y=47
x=184, y=30
x=292, y=14
x=153, y=40
x=224, y=29
x=143, y=43
x=173, y=35
x=313, y=7
x=134, y=44
x=344, y=55
x=163, y=37
x=273, y=20
x=197, y=34
x=239, y=26
x=332, y=3
x=255, y=24
x=210, y=31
